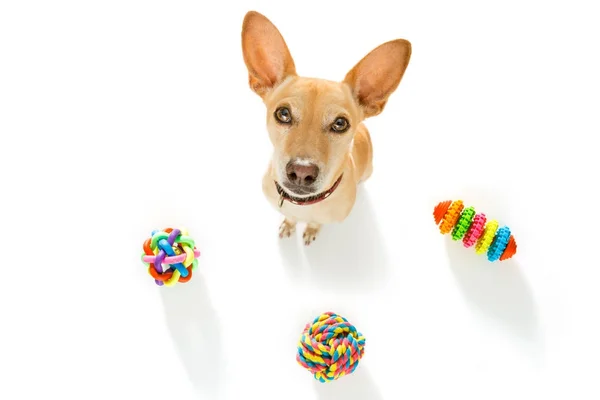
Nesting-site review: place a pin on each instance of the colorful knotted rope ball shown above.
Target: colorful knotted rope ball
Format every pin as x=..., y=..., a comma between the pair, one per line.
x=330, y=347
x=171, y=256
x=475, y=229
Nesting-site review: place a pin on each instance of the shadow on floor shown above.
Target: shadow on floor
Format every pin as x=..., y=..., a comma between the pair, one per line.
x=194, y=327
x=499, y=290
x=357, y=386
x=346, y=257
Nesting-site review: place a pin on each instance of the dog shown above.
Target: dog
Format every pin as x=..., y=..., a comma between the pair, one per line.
x=322, y=149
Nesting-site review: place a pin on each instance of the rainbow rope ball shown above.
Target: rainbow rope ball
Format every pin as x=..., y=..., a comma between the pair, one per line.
x=474, y=229
x=330, y=347
x=171, y=256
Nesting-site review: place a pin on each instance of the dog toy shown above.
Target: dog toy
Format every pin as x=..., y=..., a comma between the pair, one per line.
x=474, y=229
x=330, y=347
x=171, y=256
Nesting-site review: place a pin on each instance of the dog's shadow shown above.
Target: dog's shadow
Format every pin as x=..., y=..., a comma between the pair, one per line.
x=357, y=386
x=498, y=290
x=194, y=327
x=348, y=256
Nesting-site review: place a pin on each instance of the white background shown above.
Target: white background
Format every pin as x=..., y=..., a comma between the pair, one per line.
x=120, y=117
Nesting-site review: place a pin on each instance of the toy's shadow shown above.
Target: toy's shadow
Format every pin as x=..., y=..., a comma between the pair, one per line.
x=194, y=327
x=357, y=386
x=348, y=256
x=499, y=289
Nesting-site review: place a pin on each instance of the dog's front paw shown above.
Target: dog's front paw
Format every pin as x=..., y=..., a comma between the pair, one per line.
x=310, y=233
x=286, y=228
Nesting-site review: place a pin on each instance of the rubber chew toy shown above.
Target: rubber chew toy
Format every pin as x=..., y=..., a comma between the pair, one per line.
x=330, y=347
x=171, y=256
x=475, y=229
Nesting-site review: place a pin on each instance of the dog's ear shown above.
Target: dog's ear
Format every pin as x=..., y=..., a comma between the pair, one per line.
x=265, y=53
x=374, y=78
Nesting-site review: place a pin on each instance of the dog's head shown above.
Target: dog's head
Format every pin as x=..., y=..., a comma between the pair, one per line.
x=312, y=122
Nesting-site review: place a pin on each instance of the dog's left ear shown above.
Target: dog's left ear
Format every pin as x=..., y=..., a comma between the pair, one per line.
x=378, y=75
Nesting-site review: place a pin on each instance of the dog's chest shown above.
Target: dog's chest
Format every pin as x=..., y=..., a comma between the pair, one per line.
x=318, y=213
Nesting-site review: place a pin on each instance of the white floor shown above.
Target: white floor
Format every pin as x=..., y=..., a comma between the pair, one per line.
x=121, y=117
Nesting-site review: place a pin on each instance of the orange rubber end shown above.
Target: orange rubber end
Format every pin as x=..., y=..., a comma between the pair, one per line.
x=440, y=210
x=451, y=217
x=511, y=249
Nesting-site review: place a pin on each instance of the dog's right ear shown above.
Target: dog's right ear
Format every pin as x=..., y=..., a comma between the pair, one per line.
x=266, y=54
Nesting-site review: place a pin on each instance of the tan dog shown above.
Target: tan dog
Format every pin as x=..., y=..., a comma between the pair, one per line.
x=322, y=150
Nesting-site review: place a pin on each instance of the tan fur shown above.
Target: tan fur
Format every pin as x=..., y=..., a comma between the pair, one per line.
x=314, y=105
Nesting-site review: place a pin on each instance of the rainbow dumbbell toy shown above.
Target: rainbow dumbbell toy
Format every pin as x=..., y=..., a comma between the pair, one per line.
x=474, y=229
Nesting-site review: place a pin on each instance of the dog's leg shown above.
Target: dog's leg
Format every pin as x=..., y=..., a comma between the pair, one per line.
x=311, y=232
x=286, y=228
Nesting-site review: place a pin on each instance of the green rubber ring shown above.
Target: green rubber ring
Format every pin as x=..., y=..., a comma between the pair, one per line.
x=463, y=224
x=186, y=240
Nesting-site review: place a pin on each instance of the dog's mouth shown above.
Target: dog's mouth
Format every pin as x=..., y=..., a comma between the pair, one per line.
x=309, y=197
x=296, y=190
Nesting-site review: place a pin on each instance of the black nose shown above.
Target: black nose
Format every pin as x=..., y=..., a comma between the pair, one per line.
x=302, y=173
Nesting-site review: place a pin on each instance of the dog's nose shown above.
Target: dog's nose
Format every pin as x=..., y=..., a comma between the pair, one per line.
x=302, y=173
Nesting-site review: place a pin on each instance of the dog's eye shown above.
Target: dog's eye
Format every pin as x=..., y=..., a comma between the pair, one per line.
x=283, y=115
x=340, y=125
